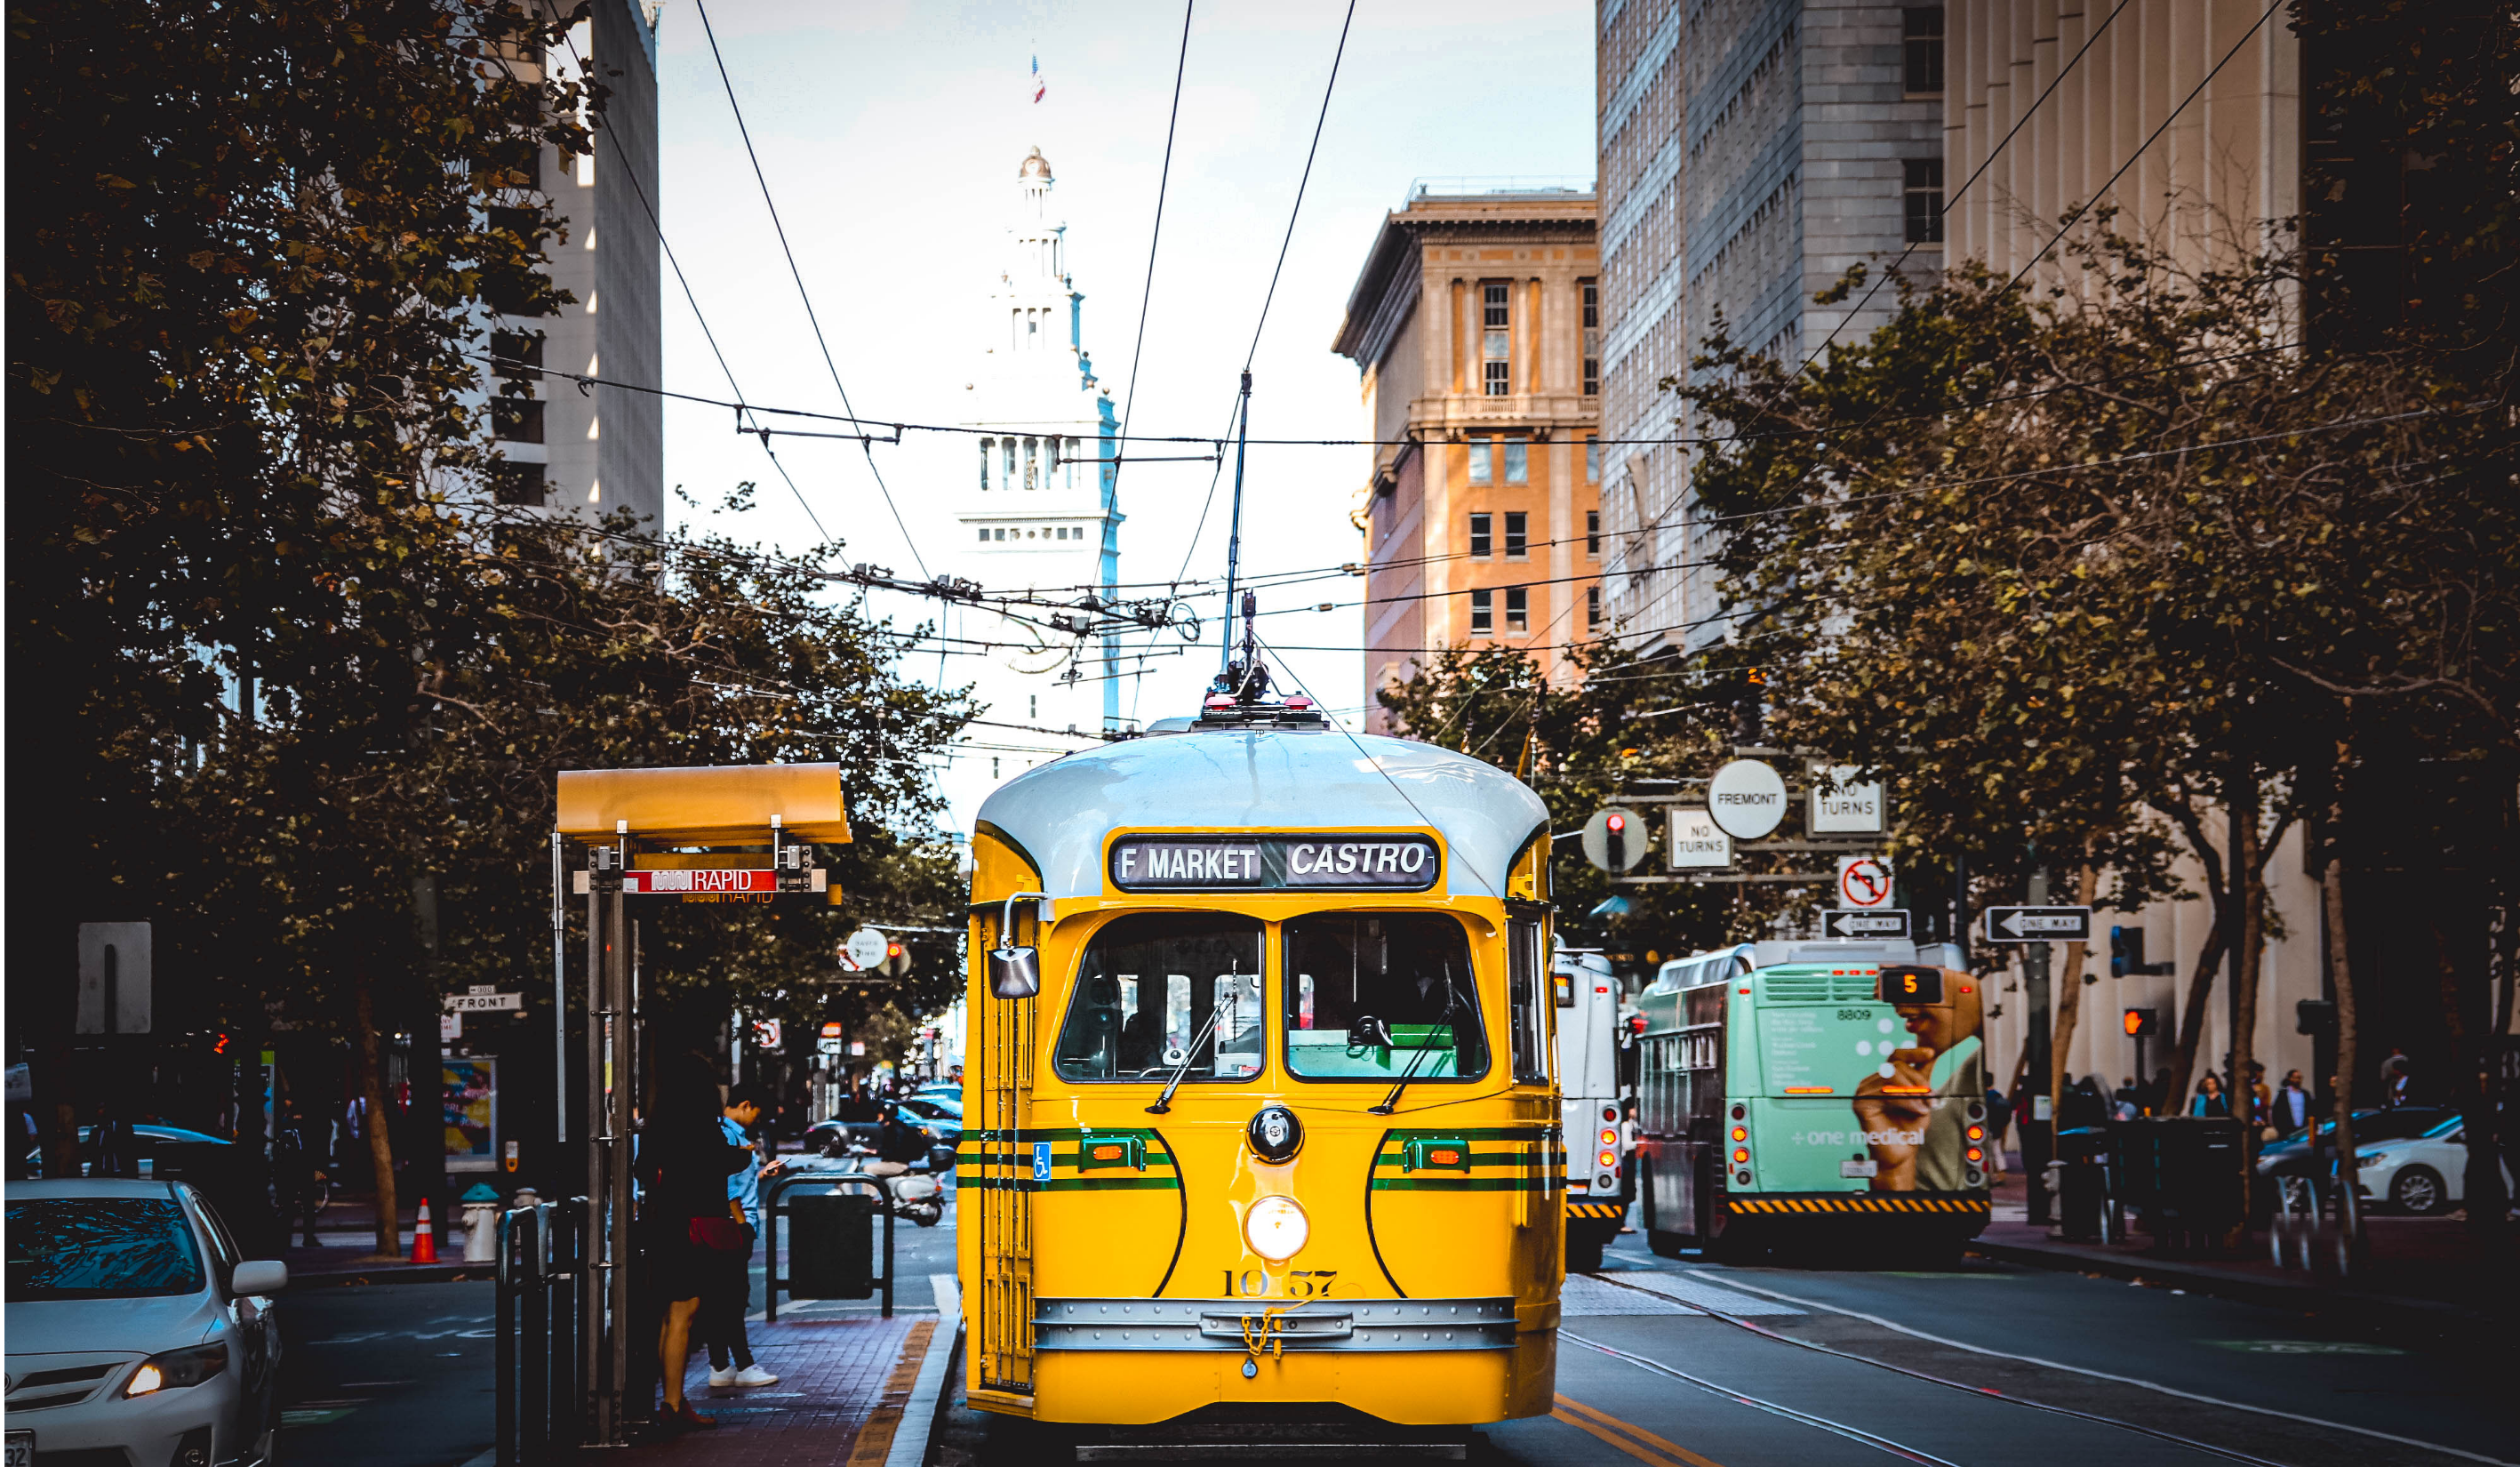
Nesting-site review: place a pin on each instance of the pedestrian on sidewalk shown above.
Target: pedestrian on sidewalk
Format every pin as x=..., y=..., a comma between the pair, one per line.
x=684, y=1161
x=2210, y=1100
x=2292, y=1103
x=298, y=1165
x=1999, y=1119
x=730, y=1300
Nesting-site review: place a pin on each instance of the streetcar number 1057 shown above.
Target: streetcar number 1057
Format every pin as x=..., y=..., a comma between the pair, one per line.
x=1301, y=1283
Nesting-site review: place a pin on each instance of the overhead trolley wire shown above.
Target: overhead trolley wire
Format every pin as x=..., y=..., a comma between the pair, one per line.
x=1155, y=238
x=793, y=273
x=689, y=298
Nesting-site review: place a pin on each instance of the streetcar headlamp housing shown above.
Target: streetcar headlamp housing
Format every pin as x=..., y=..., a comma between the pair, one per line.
x=1277, y=1228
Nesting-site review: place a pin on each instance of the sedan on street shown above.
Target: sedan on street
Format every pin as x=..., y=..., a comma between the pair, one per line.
x=2420, y=1174
x=136, y=1328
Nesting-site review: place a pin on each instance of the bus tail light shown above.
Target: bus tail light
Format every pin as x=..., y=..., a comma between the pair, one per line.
x=1610, y=1159
x=1740, y=1156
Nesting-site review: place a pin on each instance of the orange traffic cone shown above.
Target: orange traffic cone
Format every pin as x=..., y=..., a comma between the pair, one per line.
x=424, y=1237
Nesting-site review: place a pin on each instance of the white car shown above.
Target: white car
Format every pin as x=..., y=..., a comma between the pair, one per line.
x=2426, y=1173
x=135, y=1327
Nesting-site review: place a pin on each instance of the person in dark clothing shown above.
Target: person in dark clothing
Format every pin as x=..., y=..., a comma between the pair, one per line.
x=298, y=1163
x=2210, y=1099
x=683, y=1161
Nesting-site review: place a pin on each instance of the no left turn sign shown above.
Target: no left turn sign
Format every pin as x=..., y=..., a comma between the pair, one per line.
x=1863, y=882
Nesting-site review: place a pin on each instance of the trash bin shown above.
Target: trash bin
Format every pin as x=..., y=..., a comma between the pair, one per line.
x=831, y=1244
x=2182, y=1174
x=2081, y=1182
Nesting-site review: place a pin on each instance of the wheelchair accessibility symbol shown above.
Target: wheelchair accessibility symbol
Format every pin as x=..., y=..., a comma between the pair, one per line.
x=1041, y=1161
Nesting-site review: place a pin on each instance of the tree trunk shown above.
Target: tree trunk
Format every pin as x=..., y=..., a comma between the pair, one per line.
x=371, y=1090
x=2340, y=983
x=2191, y=1018
x=2471, y=1092
x=2248, y=879
x=2069, y=996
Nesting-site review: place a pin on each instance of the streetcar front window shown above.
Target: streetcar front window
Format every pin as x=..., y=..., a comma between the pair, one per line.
x=1156, y=990
x=1379, y=996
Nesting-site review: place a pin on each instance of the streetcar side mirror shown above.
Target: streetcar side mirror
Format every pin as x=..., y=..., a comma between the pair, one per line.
x=1015, y=971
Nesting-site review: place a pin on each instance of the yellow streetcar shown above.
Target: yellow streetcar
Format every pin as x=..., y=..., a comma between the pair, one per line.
x=1258, y=1082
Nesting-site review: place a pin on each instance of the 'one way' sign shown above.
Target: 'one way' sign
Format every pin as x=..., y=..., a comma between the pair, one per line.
x=2037, y=924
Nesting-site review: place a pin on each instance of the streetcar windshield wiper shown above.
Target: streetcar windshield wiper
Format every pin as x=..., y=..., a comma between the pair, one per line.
x=1426, y=1046
x=1164, y=1102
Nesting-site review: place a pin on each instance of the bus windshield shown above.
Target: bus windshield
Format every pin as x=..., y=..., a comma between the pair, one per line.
x=1157, y=990
x=1381, y=995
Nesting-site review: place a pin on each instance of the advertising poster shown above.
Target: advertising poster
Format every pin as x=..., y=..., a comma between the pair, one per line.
x=1878, y=1093
x=470, y=1113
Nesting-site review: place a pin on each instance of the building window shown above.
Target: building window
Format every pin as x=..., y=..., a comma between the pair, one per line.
x=987, y=447
x=1002, y=535
x=1592, y=460
x=1924, y=52
x=1593, y=534
x=1483, y=614
x=1518, y=609
x=1479, y=536
x=984, y=534
x=518, y=354
x=1032, y=464
x=518, y=420
x=1591, y=339
x=1479, y=461
x=1007, y=478
x=1924, y=188
x=1592, y=608
x=1049, y=461
x=1518, y=463
x=518, y=484
x=1518, y=535
x=1495, y=341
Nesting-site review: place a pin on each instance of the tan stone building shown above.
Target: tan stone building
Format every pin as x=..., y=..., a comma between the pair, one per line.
x=1476, y=326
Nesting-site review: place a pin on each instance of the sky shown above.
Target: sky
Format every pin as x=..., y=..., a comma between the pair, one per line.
x=890, y=136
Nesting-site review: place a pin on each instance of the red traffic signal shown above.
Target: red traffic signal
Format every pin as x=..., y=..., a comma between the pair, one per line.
x=1617, y=822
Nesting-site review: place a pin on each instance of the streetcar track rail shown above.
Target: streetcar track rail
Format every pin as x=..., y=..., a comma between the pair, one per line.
x=1900, y=1451
x=1990, y=1392
x=1731, y=1280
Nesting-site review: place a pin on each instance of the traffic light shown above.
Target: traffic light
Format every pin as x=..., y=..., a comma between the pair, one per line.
x=1614, y=840
x=2143, y=1024
x=896, y=959
x=2315, y=1017
x=2126, y=952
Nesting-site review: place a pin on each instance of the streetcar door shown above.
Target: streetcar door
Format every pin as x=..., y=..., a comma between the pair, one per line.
x=1002, y=1044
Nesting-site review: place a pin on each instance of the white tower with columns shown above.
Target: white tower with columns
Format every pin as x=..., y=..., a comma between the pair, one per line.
x=1034, y=512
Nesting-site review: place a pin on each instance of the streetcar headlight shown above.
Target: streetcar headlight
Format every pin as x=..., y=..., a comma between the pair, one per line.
x=1277, y=1228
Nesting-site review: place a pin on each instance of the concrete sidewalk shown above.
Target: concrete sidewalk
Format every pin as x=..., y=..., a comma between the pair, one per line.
x=852, y=1392
x=2424, y=1274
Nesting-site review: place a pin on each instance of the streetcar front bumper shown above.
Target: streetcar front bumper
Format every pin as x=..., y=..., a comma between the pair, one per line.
x=1246, y=1327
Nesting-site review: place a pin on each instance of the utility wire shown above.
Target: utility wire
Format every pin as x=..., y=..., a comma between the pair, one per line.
x=1154, y=237
x=689, y=298
x=793, y=273
x=2085, y=208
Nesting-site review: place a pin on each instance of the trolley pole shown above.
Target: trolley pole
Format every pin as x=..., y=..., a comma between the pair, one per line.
x=1233, y=536
x=2039, y=1128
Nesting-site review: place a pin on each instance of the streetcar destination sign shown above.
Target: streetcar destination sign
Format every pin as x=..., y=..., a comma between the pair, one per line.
x=1274, y=863
x=2037, y=924
x=1849, y=922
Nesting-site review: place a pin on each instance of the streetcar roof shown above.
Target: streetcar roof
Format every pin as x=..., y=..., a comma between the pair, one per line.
x=1059, y=814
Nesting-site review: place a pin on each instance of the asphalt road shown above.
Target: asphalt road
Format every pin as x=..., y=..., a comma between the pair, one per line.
x=399, y=1375
x=2131, y=1377
x=1650, y=1371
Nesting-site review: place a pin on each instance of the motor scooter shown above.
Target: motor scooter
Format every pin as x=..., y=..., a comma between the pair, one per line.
x=910, y=1193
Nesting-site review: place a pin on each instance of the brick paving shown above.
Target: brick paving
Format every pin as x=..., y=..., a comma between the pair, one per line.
x=842, y=1387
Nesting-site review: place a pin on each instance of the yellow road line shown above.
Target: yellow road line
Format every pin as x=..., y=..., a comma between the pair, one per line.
x=1645, y=1446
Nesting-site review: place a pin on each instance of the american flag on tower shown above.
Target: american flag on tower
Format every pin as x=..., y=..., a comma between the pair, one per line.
x=1040, y=88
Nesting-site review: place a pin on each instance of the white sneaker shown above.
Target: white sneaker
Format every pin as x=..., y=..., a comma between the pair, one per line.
x=723, y=1378
x=750, y=1375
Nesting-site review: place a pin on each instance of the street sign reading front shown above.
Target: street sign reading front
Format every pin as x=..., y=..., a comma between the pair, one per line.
x=479, y=1002
x=1846, y=922
x=2037, y=924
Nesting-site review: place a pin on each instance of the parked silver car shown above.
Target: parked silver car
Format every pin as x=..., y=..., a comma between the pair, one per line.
x=134, y=1323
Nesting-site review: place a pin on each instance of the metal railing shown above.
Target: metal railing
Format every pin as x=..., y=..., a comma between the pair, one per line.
x=771, y=1281
x=541, y=1391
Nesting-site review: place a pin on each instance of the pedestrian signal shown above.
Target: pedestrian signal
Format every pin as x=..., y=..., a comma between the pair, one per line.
x=2143, y=1024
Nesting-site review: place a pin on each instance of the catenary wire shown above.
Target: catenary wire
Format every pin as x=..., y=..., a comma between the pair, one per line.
x=781, y=230
x=690, y=298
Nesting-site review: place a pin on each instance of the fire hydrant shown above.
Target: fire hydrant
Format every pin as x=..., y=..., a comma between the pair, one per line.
x=480, y=1225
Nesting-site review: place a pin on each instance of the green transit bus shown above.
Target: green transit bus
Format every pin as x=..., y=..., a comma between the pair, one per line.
x=1813, y=1091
